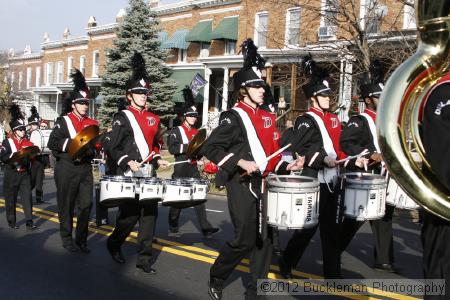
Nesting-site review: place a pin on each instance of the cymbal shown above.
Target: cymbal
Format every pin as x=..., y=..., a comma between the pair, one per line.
x=196, y=144
x=24, y=153
x=82, y=141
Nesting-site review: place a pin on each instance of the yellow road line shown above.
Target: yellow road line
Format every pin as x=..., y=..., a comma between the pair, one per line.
x=52, y=216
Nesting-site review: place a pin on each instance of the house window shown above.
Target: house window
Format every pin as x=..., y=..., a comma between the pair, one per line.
x=261, y=25
x=69, y=66
x=29, y=74
x=370, y=16
x=38, y=77
x=409, y=17
x=60, y=72
x=182, y=55
x=204, y=49
x=329, y=8
x=83, y=64
x=20, y=80
x=293, y=26
x=230, y=47
x=49, y=73
x=95, y=63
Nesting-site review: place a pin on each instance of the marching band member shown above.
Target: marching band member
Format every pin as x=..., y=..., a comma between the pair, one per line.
x=359, y=135
x=177, y=143
x=37, y=167
x=73, y=179
x=436, y=141
x=16, y=179
x=316, y=136
x=132, y=139
x=246, y=135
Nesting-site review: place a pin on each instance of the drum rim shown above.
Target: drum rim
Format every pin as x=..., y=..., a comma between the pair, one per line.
x=193, y=180
x=376, y=179
x=177, y=182
x=151, y=180
x=116, y=178
x=310, y=182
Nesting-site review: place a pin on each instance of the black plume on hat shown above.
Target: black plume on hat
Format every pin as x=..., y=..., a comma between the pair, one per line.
x=250, y=74
x=138, y=82
x=190, y=109
x=80, y=91
x=17, y=118
x=375, y=87
x=34, y=118
x=317, y=85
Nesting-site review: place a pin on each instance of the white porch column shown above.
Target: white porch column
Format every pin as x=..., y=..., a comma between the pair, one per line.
x=226, y=77
x=206, y=97
x=345, y=87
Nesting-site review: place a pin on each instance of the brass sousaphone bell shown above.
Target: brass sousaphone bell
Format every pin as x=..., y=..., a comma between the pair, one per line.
x=400, y=105
x=83, y=141
x=23, y=154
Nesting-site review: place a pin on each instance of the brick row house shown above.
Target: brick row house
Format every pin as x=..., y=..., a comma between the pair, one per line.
x=203, y=36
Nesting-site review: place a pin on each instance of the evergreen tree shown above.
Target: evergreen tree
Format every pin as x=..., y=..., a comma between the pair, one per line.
x=138, y=32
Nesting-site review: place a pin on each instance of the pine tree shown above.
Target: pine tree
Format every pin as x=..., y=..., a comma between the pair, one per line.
x=138, y=32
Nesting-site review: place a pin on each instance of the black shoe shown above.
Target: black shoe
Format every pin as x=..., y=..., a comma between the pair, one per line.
x=71, y=248
x=116, y=255
x=147, y=269
x=285, y=268
x=385, y=267
x=31, y=226
x=41, y=202
x=173, y=231
x=215, y=288
x=209, y=232
x=13, y=226
x=83, y=248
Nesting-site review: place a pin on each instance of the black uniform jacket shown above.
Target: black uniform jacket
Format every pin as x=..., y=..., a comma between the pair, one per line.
x=178, y=149
x=59, y=142
x=228, y=143
x=121, y=146
x=355, y=138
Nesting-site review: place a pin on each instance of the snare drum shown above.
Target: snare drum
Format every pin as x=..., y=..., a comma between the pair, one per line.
x=365, y=196
x=200, y=187
x=150, y=189
x=115, y=190
x=293, y=201
x=176, y=191
x=397, y=197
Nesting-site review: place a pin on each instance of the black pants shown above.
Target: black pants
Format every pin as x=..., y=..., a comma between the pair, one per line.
x=382, y=231
x=17, y=184
x=129, y=214
x=436, y=251
x=74, y=187
x=200, y=211
x=243, y=213
x=37, y=177
x=329, y=236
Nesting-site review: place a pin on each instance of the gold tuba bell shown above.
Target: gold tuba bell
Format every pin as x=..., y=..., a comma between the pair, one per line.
x=400, y=104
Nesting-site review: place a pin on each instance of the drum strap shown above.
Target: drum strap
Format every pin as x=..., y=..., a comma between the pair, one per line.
x=138, y=134
x=12, y=145
x=184, y=137
x=72, y=131
x=258, y=153
x=327, y=175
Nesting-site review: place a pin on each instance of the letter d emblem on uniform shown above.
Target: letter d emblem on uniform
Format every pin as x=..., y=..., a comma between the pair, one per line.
x=151, y=121
x=267, y=122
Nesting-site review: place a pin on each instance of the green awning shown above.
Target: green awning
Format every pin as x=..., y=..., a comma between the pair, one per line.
x=227, y=30
x=162, y=37
x=201, y=32
x=183, y=78
x=177, y=40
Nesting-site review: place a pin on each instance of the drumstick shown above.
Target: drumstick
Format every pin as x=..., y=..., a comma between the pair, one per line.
x=178, y=162
x=270, y=157
x=353, y=156
x=140, y=164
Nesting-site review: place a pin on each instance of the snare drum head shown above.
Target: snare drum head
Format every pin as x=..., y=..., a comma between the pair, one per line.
x=151, y=180
x=364, y=178
x=292, y=181
x=116, y=178
x=177, y=182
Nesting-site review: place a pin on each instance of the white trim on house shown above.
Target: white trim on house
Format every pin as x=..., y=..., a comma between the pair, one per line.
x=84, y=47
x=220, y=10
x=185, y=16
x=95, y=63
x=104, y=37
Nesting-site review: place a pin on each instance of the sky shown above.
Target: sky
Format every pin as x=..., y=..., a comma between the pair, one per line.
x=23, y=22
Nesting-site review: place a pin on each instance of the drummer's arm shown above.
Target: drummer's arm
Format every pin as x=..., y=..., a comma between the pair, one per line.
x=58, y=140
x=116, y=151
x=217, y=145
x=5, y=151
x=174, y=145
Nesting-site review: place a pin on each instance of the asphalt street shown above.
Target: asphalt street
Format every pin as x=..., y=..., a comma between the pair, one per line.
x=35, y=266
